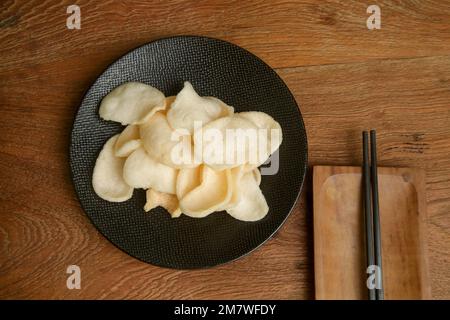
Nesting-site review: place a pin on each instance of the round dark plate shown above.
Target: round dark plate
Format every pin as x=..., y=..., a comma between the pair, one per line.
x=215, y=68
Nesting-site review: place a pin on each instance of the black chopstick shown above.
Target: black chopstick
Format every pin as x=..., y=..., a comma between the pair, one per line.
x=376, y=212
x=368, y=221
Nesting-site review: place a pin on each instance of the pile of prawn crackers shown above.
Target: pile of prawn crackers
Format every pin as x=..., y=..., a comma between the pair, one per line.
x=192, y=154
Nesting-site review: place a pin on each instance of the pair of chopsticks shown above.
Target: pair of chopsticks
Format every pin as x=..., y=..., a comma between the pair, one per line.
x=371, y=212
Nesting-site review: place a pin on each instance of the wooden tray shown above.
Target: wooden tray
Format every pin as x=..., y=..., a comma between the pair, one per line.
x=339, y=251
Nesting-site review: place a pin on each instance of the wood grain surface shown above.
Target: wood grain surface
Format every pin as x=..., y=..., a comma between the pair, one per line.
x=339, y=239
x=345, y=78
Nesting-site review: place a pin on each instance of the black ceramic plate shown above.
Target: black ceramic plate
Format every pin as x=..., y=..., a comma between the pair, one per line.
x=215, y=68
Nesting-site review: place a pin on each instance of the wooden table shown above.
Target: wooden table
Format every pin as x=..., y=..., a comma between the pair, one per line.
x=345, y=77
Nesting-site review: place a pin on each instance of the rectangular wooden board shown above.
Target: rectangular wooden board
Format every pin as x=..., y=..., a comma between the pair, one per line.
x=339, y=250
